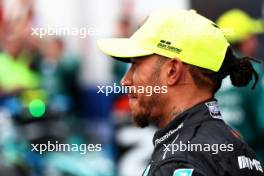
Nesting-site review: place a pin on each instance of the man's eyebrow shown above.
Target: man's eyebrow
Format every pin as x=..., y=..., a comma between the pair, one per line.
x=133, y=60
x=137, y=59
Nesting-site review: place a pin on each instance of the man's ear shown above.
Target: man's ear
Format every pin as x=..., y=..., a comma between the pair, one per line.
x=174, y=71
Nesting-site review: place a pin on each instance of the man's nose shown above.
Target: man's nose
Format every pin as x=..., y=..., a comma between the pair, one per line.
x=126, y=80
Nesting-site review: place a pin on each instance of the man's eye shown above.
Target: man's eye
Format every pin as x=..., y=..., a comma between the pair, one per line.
x=133, y=66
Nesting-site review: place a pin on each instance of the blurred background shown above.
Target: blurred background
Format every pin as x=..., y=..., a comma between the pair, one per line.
x=48, y=84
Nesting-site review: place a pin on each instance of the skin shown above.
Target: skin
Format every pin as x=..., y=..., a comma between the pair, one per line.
x=249, y=46
x=161, y=108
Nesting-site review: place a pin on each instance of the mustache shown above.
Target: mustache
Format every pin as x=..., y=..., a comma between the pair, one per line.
x=130, y=89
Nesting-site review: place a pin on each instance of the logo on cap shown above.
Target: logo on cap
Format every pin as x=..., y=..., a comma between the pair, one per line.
x=167, y=46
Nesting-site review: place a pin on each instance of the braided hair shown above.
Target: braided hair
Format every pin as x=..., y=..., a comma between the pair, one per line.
x=240, y=71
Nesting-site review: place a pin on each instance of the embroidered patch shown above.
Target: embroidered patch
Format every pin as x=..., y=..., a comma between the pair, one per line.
x=214, y=109
x=183, y=172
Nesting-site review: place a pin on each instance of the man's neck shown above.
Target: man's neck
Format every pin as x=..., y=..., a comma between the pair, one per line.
x=181, y=104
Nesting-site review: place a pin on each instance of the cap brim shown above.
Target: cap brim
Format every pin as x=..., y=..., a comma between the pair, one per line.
x=122, y=48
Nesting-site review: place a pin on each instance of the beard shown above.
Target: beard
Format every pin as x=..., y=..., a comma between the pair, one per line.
x=141, y=120
x=143, y=110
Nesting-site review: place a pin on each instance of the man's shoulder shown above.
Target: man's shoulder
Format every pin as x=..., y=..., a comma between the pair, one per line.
x=214, y=144
x=217, y=138
x=216, y=132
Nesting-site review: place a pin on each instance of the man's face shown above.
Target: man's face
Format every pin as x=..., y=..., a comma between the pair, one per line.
x=145, y=71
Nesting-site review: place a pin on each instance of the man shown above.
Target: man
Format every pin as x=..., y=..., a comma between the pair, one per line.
x=189, y=55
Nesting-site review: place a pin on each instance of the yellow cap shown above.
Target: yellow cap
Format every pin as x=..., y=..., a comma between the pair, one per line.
x=239, y=24
x=172, y=33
